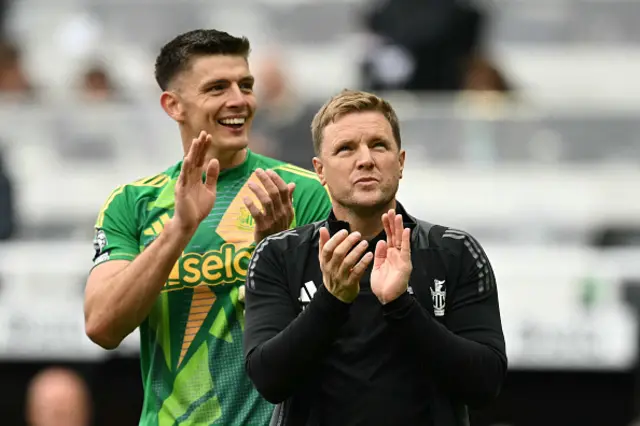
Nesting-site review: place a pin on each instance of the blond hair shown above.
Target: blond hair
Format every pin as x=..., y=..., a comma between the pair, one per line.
x=349, y=102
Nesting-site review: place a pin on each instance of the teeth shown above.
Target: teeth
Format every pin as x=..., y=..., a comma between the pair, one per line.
x=233, y=121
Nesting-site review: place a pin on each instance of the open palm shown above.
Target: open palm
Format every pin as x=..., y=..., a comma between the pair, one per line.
x=194, y=198
x=392, y=262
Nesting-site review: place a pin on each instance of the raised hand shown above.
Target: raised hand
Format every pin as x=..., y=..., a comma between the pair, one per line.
x=277, y=213
x=392, y=263
x=342, y=264
x=194, y=199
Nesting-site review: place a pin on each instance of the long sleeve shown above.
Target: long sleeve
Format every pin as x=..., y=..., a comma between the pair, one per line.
x=281, y=346
x=467, y=358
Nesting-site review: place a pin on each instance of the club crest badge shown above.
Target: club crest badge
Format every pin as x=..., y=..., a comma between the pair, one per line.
x=439, y=296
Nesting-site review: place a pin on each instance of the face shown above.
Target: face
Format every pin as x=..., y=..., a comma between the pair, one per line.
x=360, y=161
x=215, y=95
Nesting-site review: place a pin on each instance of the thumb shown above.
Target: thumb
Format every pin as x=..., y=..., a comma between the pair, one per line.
x=380, y=254
x=213, y=170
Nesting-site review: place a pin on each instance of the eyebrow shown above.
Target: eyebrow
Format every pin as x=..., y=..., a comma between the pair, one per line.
x=245, y=79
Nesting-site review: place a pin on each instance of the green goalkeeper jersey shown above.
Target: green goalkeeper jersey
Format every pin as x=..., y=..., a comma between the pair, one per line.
x=191, y=343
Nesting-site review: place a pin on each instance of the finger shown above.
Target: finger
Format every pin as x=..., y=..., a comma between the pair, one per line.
x=324, y=238
x=344, y=248
x=283, y=188
x=256, y=213
x=386, y=222
x=406, y=243
x=213, y=171
x=201, y=145
x=391, y=241
x=358, y=271
x=330, y=246
x=289, y=203
x=380, y=254
x=263, y=197
x=353, y=257
x=292, y=187
x=271, y=188
x=399, y=231
x=190, y=170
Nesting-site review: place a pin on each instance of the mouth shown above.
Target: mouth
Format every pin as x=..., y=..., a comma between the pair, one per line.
x=235, y=123
x=367, y=180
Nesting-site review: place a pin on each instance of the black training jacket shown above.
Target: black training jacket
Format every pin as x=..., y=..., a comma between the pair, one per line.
x=450, y=314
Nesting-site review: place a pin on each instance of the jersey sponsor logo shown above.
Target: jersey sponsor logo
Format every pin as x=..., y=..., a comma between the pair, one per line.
x=216, y=267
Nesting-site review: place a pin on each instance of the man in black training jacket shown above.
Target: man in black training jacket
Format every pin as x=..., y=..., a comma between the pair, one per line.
x=371, y=317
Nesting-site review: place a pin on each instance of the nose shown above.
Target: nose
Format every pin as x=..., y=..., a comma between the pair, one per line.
x=236, y=98
x=364, y=159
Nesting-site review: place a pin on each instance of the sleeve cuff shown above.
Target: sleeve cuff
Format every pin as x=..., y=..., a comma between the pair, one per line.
x=399, y=308
x=329, y=303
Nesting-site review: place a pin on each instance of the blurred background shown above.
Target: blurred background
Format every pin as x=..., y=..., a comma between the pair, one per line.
x=520, y=119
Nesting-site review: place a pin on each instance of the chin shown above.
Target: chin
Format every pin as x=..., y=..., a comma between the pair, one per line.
x=235, y=143
x=370, y=201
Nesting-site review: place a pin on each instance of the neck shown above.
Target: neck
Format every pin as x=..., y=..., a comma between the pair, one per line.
x=368, y=222
x=227, y=159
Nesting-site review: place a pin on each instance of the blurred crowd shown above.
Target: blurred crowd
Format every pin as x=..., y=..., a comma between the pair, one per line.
x=415, y=46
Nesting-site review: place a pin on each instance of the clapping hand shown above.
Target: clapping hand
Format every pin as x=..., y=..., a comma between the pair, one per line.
x=342, y=264
x=194, y=198
x=277, y=204
x=392, y=262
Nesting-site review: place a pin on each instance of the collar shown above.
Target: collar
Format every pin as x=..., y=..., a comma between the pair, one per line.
x=334, y=225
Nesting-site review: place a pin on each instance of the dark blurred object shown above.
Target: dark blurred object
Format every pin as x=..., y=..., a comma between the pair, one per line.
x=7, y=214
x=425, y=45
x=616, y=236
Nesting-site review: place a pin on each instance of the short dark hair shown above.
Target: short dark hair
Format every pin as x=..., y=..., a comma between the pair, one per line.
x=176, y=55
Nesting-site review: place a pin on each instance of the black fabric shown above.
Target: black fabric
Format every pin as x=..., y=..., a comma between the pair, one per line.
x=410, y=362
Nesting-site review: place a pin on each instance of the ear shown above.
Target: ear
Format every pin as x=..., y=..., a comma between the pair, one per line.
x=319, y=168
x=172, y=106
x=401, y=157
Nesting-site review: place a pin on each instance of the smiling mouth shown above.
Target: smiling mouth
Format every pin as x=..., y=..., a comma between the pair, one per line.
x=233, y=123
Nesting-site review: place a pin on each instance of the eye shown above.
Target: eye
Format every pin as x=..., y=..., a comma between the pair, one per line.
x=343, y=148
x=247, y=87
x=380, y=145
x=217, y=88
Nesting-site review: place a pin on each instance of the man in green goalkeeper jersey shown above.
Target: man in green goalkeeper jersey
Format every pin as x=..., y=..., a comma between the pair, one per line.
x=172, y=250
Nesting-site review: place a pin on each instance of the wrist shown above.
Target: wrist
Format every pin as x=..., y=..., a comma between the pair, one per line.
x=344, y=297
x=175, y=230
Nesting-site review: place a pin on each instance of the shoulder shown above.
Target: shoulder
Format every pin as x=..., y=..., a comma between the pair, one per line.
x=288, y=172
x=455, y=241
x=289, y=240
x=127, y=195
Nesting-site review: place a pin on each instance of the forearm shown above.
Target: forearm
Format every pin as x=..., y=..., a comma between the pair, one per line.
x=118, y=305
x=473, y=371
x=281, y=363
